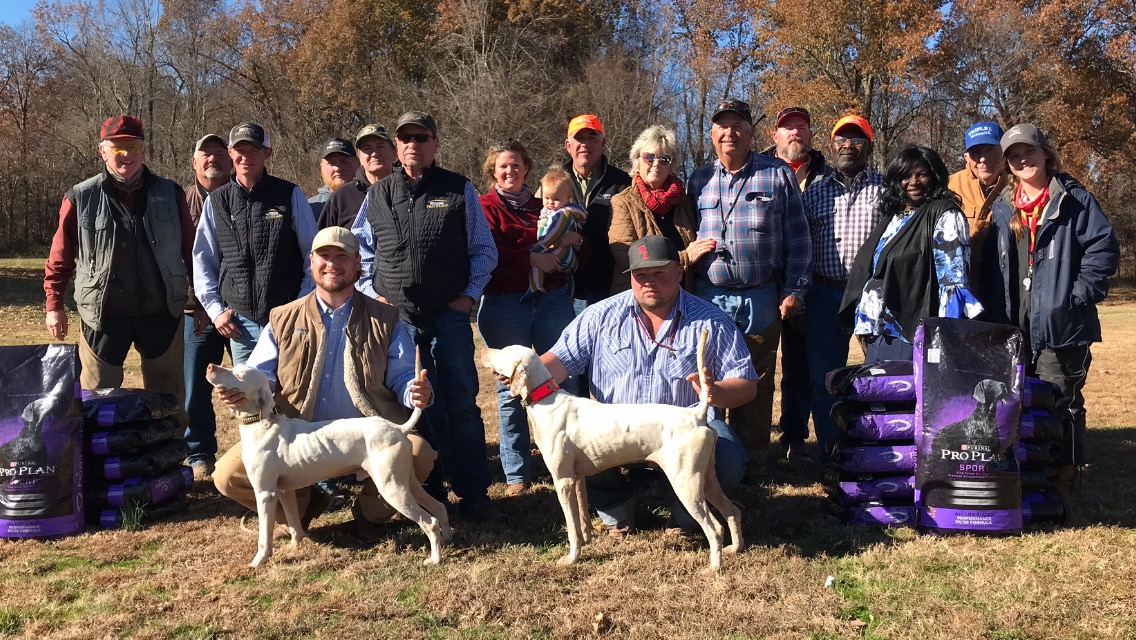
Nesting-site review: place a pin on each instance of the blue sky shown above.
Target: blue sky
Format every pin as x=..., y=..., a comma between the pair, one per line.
x=14, y=11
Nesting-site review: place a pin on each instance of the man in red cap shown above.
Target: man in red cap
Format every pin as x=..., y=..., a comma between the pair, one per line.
x=131, y=232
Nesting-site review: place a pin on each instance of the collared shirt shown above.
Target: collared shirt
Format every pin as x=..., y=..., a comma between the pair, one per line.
x=207, y=259
x=841, y=219
x=479, y=244
x=626, y=366
x=333, y=401
x=950, y=245
x=758, y=220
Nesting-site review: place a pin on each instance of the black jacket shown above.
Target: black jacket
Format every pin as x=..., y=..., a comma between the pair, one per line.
x=343, y=206
x=1074, y=254
x=593, y=278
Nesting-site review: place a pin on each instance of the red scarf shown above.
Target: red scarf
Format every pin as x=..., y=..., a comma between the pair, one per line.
x=663, y=200
x=1031, y=209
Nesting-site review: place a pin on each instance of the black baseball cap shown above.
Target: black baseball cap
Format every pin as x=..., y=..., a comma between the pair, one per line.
x=249, y=132
x=337, y=145
x=733, y=105
x=651, y=251
x=420, y=118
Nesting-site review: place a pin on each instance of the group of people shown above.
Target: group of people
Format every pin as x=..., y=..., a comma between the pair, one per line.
x=610, y=275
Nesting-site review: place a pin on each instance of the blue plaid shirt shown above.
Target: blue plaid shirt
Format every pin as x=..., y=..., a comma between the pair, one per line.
x=759, y=222
x=841, y=219
x=610, y=341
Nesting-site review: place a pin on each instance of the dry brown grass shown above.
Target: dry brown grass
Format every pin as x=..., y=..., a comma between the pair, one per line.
x=186, y=578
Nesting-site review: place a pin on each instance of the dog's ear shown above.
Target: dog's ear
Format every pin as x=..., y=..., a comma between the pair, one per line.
x=519, y=381
x=263, y=401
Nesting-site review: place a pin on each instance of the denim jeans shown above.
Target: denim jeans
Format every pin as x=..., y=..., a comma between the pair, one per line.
x=200, y=351
x=504, y=320
x=614, y=497
x=241, y=348
x=827, y=350
x=446, y=350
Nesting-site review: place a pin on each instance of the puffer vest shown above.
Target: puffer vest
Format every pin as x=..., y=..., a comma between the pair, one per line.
x=300, y=334
x=421, y=255
x=262, y=265
x=101, y=239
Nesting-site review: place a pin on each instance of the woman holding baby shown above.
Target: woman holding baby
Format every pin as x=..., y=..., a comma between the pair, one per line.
x=654, y=204
x=509, y=313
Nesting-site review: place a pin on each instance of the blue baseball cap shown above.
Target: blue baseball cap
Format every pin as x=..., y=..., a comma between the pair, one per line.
x=983, y=133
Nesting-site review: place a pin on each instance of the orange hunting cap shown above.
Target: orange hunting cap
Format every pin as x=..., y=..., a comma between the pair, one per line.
x=856, y=121
x=586, y=121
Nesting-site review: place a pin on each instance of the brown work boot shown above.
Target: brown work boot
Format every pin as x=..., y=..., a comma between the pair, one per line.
x=202, y=470
x=516, y=489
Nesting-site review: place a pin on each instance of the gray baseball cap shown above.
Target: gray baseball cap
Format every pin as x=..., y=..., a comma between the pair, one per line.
x=249, y=132
x=651, y=251
x=1026, y=133
x=206, y=138
x=420, y=118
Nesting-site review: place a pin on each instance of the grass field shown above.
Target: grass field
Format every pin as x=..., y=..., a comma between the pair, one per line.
x=187, y=578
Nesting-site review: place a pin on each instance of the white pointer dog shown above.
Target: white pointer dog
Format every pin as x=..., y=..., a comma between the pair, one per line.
x=579, y=437
x=284, y=454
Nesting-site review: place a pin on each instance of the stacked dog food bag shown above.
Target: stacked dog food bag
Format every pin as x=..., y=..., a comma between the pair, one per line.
x=134, y=457
x=969, y=383
x=1041, y=445
x=872, y=478
x=41, y=442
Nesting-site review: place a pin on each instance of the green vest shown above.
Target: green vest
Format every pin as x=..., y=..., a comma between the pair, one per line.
x=97, y=243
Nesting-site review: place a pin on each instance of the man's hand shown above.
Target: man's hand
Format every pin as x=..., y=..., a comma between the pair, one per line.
x=57, y=324
x=711, y=384
x=231, y=398
x=462, y=304
x=790, y=306
x=546, y=262
x=421, y=391
x=200, y=320
x=226, y=325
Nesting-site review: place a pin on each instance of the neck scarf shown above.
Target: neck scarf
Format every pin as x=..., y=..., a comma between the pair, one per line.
x=1031, y=209
x=514, y=202
x=662, y=200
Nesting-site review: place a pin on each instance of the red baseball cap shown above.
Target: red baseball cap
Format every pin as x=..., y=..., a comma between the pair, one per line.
x=586, y=121
x=856, y=121
x=121, y=127
x=793, y=111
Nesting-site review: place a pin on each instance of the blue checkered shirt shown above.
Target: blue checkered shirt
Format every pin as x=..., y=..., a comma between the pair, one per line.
x=841, y=219
x=758, y=220
x=627, y=367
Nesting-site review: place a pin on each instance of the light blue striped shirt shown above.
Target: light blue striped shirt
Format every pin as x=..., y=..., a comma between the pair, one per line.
x=627, y=367
x=333, y=402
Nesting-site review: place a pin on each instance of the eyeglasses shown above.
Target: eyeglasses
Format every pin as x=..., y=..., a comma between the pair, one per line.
x=420, y=138
x=840, y=141
x=663, y=158
x=123, y=148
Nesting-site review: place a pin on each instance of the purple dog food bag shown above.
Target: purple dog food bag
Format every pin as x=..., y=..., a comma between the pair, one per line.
x=968, y=420
x=111, y=407
x=1036, y=454
x=142, y=491
x=161, y=458
x=874, y=422
x=1038, y=424
x=1038, y=479
x=859, y=489
x=134, y=438
x=41, y=442
x=886, y=458
x=879, y=515
x=889, y=381
x=115, y=518
x=1042, y=505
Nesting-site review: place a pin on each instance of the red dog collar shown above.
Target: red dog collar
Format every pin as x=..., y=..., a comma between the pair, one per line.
x=542, y=392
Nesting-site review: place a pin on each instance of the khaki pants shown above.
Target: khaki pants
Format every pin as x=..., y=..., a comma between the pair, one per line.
x=165, y=373
x=232, y=482
x=753, y=420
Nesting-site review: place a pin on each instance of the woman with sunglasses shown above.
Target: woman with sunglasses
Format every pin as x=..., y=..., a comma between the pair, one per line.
x=915, y=263
x=504, y=317
x=1050, y=253
x=654, y=204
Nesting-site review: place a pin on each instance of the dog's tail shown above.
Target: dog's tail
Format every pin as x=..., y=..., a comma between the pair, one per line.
x=704, y=399
x=408, y=426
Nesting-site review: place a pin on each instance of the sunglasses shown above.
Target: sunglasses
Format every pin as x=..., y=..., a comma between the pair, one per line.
x=420, y=138
x=123, y=148
x=840, y=141
x=663, y=158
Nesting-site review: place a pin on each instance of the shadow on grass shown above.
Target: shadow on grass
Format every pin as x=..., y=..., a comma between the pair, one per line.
x=1106, y=493
x=22, y=286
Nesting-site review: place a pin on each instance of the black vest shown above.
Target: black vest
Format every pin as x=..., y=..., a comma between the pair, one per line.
x=906, y=267
x=262, y=265
x=421, y=254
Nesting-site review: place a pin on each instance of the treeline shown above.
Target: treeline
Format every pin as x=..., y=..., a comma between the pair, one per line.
x=920, y=70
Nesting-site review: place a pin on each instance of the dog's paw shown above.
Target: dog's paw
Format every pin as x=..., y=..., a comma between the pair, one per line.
x=430, y=561
x=733, y=549
x=259, y=560
x=566, y=560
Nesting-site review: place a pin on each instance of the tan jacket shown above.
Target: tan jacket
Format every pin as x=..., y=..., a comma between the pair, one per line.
x=976, y=208
x=631, y=220
x=298, y=327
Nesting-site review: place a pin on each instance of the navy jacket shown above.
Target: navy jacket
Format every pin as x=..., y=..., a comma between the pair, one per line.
x=1075, y=252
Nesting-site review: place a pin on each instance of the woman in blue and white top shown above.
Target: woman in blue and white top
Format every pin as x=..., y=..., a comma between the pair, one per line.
x=915, y=263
